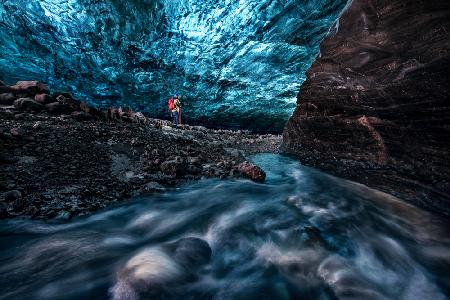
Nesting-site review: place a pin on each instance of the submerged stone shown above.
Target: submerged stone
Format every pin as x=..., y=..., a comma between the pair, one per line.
x=153, y=270
x=192, y=252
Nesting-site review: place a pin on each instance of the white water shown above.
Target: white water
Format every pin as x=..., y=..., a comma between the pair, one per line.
x=302, y=235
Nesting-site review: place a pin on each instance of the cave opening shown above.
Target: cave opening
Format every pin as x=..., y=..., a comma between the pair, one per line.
x=350, y=202
x=238, y=64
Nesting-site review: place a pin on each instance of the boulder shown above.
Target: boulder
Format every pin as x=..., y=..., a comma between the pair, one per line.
x=65, y=94
x=69, y=102
x=128, y=115
x=28, y=104
x=148, y=271
x=7, y=99
x=58, y=108
x=30, y=87
x=139, y=117
x=252, y=171
x=43, y=98
x=153, y=270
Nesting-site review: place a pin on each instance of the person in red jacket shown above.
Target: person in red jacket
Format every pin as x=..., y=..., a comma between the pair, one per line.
x=175, y=109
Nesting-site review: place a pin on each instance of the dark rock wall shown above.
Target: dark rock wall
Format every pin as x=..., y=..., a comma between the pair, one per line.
x=375, y=107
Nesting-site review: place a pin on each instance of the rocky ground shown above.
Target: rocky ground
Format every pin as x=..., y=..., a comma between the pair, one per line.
x=60, y=158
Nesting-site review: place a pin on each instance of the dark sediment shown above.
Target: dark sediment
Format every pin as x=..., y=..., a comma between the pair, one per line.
x=375, y=106
x=61, y=158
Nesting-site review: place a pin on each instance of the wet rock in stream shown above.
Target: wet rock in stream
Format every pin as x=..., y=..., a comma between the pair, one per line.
x=153, y=270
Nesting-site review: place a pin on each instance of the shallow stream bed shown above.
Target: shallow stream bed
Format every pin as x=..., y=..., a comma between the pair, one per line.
x=301, y=235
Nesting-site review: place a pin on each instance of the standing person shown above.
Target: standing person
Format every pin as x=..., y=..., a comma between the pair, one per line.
x=174, y=105
x=173, y=113
x=178, y=107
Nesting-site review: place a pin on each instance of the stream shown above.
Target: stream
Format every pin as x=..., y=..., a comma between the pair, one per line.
x=303, y=234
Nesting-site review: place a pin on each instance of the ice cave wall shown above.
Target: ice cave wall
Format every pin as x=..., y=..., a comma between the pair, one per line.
x=238, y=63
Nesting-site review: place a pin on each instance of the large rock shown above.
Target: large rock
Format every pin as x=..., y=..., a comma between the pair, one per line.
x=375, y=106
x=149, y=270
x=7, y=99
x=30, y=87
x=251, y=171
x=153, y=270
x=43, y=98
x=28, y=104
x=58, y=108
x=69, y=101
x=139, y=117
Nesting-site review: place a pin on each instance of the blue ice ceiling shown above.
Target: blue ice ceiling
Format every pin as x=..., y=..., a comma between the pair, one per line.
x=236, y=62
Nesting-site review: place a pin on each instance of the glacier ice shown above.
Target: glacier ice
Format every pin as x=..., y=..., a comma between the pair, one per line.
x=238, y=63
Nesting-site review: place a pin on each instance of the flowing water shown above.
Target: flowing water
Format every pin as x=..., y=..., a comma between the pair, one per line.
x=301, y=235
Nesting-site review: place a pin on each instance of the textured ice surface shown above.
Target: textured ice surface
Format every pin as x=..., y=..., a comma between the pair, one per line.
x=236, y=62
